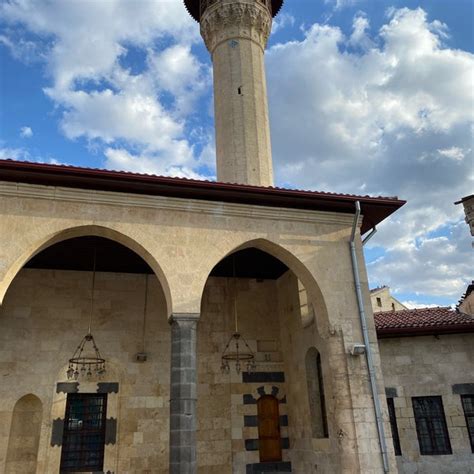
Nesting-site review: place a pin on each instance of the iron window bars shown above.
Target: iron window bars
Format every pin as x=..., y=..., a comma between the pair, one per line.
x=431, y=428
x=393, y=425
x=468, y=407
x=84, y=433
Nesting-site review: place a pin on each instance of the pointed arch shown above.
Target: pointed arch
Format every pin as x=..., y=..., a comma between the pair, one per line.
x=25, y=430
x=82, y=231
x=294, y=264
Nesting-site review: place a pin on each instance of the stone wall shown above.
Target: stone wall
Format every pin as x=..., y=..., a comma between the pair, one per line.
x=181, y=240
x=25, y=430
x=227, y=429
x=430, y=366
x=43, y=318
x=468, y=203
x=308, y=454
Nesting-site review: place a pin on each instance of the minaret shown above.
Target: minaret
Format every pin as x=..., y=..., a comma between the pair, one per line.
x=236, y=33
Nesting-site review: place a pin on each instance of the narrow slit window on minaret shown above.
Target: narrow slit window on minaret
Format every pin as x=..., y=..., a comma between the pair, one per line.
x=239, y=90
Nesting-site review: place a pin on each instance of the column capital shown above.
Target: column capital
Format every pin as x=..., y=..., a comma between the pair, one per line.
x=184, y=317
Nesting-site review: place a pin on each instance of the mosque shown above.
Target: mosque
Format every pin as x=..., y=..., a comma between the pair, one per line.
x=152, y=324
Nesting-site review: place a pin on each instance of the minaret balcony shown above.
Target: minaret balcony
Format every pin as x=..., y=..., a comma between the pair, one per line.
x=205, y=4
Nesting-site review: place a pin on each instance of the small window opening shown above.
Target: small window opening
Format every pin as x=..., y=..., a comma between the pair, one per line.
x=239, y=90
x=379, y=302
x=394, y=427
x=393, y=306
x=317, y=399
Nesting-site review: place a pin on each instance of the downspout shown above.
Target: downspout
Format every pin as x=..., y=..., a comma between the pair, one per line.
x=368, y=350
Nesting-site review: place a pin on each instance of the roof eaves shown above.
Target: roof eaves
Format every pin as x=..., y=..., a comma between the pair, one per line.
x=384, y=333
x=374, y=209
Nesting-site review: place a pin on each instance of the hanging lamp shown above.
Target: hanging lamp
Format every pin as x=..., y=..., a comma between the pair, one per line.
x=237, y=349
x=87, y=362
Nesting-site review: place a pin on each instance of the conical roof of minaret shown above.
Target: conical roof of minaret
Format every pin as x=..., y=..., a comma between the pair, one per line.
x=193, y=7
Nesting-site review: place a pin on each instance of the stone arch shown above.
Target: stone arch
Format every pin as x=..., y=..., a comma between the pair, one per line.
x=294, y=264
x=82, y=231
x=25, y=430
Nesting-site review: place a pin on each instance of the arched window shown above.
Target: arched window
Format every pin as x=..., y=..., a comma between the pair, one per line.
x=269, y=441
x=24, y=437
x=317, y=402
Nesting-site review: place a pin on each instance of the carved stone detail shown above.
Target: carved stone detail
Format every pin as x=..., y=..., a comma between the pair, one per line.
x=224, y=21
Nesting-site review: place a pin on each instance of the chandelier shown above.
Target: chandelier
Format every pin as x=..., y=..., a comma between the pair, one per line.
x=237, y=349
x=87, y=362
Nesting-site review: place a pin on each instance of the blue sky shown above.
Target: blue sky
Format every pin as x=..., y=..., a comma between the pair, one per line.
x=366, y=96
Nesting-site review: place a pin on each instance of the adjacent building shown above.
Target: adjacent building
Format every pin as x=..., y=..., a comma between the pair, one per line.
x=427, y=358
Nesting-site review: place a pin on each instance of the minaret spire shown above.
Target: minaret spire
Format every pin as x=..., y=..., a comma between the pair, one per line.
x=235, y=33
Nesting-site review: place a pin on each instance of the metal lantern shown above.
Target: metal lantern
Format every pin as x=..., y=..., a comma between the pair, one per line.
x=87, y=363
x=237, y=349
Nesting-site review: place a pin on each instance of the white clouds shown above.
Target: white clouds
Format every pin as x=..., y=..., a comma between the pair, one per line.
x=101, y=99
x=26, y=132
x=392, y=118
x=178, y=72
x=282, y=21
x=454, y=153
x=19, y=154
x=439, y=266
x=120, y=159
x=23, y=154
x=23, y=50
x=109, y=116
x=410, y=304
x=340, y=4
x=89, y=36
x=359, y=37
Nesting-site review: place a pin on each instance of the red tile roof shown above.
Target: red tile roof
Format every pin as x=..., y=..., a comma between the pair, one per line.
x=374, y=209
x=423, y=321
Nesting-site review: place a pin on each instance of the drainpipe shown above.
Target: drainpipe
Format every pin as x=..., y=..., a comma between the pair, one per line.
x=368, y=350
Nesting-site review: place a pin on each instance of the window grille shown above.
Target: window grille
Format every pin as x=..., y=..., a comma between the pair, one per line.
x=468, y=407
x=84, y=433
x=394, y=427
x=431, y=428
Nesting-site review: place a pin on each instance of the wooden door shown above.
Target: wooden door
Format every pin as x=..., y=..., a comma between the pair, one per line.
x=269, y=429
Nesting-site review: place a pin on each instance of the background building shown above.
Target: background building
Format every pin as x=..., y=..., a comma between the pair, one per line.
x=427, y=359
x=382, y=300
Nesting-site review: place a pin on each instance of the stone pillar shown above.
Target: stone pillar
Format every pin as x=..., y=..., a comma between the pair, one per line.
x=183, y=393
x=236, y=33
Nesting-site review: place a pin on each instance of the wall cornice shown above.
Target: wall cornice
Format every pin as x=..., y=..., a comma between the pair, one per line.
x=194, y=206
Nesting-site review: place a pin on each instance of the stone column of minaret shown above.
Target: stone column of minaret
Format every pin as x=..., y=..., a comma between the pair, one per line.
x=236, y=33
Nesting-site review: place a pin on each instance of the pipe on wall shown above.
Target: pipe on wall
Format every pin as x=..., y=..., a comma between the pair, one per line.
x=365, y=334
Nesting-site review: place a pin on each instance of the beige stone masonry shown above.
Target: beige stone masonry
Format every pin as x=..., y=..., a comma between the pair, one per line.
x=44, y=314
x=235, y=33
